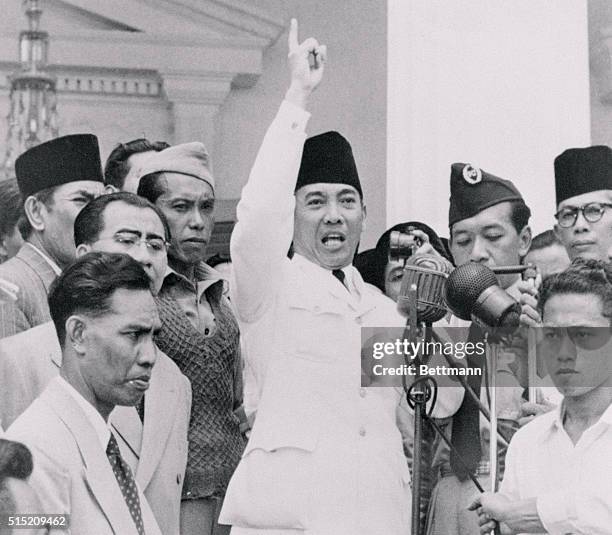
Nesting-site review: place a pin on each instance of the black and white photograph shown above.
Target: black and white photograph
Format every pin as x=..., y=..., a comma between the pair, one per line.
x=305, y=267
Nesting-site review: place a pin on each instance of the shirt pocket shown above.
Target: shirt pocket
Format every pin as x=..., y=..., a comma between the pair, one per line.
x=319, y=329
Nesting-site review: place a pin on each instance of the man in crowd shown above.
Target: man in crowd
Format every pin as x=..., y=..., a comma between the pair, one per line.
x=124, y=161
x=10, y=210
x=199, y=331
x=105, y=317
x=558, y=470
x=489, y=224
x=56, y=180
x=154, y=445
x=324, y=456
x=583, y=185
x=548, y=254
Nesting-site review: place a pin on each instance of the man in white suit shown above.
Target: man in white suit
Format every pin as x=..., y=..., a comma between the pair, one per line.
x=105, y=317
x=155, y=449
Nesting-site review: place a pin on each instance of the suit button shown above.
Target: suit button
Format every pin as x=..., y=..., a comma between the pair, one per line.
x=362, y=392
x=362, y=431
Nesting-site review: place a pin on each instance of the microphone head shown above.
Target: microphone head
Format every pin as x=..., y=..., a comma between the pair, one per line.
x=428, y=273
x=465, y=285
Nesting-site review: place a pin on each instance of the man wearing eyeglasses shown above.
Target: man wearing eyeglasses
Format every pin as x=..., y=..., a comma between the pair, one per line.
x=558, y=476
x=583, y=184
x=153, y=437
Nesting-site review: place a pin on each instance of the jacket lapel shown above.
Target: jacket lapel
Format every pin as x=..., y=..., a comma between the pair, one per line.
x=160, y=410
x=97, y=470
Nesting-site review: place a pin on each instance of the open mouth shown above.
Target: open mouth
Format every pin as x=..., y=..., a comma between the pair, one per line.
x=333, y=240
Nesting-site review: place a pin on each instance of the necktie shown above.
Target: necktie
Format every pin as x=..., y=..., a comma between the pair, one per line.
x=126, y=482
x=340, y=275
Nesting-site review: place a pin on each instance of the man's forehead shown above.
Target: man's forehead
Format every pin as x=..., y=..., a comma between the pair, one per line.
x=78, y=186
x=325, y=188
x=183, y=186
x=602, y=195
x=498, y=215
x=119, y=215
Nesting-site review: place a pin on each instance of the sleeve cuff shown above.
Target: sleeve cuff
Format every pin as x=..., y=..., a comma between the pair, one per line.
x=291, y=118
x=556, y=512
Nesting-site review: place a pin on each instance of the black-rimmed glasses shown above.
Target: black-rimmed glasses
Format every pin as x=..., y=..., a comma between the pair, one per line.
x=592, y=212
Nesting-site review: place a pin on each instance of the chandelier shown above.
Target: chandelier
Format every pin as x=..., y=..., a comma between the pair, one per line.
x=32, y=117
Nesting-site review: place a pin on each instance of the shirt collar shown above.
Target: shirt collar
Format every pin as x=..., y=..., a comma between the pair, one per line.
x=558, y=414
x=205, y=277
x=351, y=278
x=46, y=258
x=101, y=427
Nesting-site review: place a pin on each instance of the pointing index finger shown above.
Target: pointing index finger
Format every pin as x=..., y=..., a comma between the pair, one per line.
x=293, y=36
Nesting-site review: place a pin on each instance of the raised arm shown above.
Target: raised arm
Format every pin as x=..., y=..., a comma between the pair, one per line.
x=264, y=231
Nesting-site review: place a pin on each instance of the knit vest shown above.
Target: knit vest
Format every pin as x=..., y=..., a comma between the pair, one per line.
x=215, y=441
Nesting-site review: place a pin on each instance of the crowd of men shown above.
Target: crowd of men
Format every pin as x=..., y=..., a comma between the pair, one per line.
x=137, y=398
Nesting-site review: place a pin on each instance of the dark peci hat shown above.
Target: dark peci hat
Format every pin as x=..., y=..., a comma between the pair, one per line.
x=328, y=158
x=59, y=161
x=579, y=171
x=473, y=190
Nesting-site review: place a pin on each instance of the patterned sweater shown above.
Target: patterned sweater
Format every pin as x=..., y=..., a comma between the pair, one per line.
x=211, y=364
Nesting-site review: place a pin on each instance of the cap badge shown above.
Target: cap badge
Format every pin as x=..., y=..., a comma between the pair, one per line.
x=471, y=174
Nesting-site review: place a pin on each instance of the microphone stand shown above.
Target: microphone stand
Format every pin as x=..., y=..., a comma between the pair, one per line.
x=418, y=396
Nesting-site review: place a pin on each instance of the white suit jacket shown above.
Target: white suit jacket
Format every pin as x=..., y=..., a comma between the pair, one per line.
x=72, y=474
x=325, y=455
x=156, y=452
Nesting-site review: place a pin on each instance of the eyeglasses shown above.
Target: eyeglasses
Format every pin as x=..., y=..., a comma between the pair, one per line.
x=589, y=338
x=592, y=212
x=128, y=241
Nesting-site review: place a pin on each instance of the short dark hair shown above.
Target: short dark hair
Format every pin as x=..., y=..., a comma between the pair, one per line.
x=519, y=215
x=87, y=286
x=44, y=196
x=15, y=462
x=90, y=222
x=543, y=240
x=10, y=206
x=116, y=167
x=152, y=186
x=583, y=276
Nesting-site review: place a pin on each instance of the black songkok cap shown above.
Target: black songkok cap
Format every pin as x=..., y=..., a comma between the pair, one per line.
x=328, y=158
x=59, y=161
x=473, y=190
x=579, y=171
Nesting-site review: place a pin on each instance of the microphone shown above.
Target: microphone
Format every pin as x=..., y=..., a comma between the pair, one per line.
x=428, y=273
x=473, y=293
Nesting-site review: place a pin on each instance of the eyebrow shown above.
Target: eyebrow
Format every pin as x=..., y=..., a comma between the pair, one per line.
x=138, y=233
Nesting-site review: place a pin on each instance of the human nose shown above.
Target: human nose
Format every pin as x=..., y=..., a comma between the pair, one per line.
x=196, y=221
x=332, y=213
x=141, y=252
x=148, y=353
x=581, y=224
x=479, y=251
x=567, y=349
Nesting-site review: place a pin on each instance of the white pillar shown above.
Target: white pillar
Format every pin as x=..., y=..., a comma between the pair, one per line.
x=504, y=85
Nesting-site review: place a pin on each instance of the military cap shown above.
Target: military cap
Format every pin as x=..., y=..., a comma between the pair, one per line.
x=59, y=161
x=190, y=159
x=474, y=190
x=579, y=171
x=328, y=158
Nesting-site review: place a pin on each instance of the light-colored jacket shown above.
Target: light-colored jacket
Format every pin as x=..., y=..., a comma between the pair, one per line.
x=156, y=452
x=72, y=474
x=325, y=455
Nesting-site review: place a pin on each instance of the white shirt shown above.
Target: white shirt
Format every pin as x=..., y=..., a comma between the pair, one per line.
x=571, y=483
x=101, y=427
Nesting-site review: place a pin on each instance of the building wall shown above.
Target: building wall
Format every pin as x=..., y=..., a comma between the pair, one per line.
x=351, y=98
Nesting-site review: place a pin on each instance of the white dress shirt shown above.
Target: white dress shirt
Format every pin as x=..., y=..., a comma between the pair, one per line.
x=571, y=483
